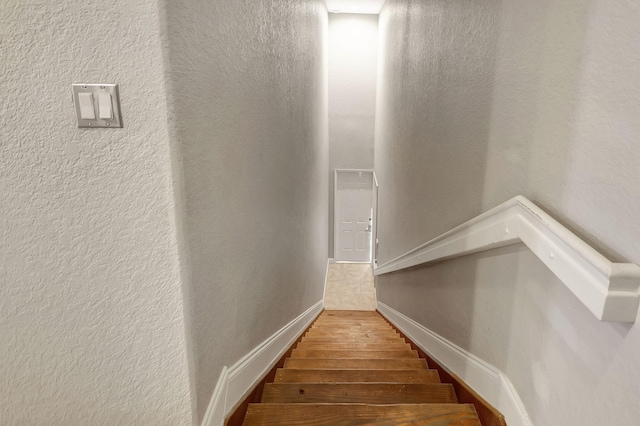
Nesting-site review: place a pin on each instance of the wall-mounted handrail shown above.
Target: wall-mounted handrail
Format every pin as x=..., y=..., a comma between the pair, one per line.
x=608, y=289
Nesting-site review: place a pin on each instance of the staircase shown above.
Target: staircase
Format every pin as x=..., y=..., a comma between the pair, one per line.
x=351, y=367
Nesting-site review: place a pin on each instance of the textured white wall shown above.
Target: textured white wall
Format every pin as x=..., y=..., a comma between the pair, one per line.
x=507, y=308
x=249, y=86
x=91, y=318
x=353, y=56
x=478, y=102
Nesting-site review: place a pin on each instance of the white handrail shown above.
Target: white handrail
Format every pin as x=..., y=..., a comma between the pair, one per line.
x=609, y=290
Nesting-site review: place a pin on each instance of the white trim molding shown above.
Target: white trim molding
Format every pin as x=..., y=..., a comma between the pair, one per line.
x=237, y=381
x=489, y=382
x=326, y=276
x=609, y=290
x=215, y=413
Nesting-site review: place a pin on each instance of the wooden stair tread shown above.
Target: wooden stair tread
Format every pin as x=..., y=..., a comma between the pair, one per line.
x=352, y=328
x=350, y=318
x=337, y=334
x=379, y=342
x=356, y=364
x=357, y=414
x=291, y=375
x=370, y=393
x=372, y=320
x=328, y=353
x=352, y=323
x=351, y=336
x=357, y=333
x=337, y=324
x=339, y=346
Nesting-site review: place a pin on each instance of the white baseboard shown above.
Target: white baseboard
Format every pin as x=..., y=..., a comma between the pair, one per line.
x=489, y=382
x=326, y=275
x=215, y=411
x=237, y=381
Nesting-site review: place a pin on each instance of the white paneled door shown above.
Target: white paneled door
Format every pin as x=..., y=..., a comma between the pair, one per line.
x=353, y=215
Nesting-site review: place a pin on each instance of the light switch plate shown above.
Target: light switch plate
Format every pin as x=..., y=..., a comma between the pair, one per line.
x=95, y=89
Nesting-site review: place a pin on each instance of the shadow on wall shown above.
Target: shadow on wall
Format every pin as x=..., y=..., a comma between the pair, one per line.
x=433, y=122
x=446, y=298
x=249, y=87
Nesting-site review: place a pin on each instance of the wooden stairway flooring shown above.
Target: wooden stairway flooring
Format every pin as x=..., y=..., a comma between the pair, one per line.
x=351, y=367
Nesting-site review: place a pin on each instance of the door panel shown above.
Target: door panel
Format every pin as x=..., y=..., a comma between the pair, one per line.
x=353, y=198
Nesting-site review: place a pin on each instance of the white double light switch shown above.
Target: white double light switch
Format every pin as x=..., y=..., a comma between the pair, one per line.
x=97, y=105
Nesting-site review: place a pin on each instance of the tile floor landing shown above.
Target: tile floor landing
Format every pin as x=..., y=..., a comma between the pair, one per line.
x=350, y=287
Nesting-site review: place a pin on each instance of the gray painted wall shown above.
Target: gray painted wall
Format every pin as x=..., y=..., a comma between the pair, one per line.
x=478, y=102
x=249, y=89
x=91, y=312
x=353, y=55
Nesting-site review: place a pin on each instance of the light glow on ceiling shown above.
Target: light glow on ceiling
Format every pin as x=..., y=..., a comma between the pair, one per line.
x=371, y=7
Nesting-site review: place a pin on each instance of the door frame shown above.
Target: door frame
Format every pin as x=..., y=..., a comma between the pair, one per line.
x=374, y=224
x=374, y=187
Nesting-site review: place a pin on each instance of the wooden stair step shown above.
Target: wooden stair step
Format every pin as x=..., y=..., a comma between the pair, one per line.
x=336, y=323
x=339, y=313
x=345, y=328
x=352, y=323
x=379, y=330
x=350, y=318
x=327, y=353
x=355, y=318
x=342, y=335
x=291, y=375
x=338, y=335
x=359, y=339
x=356, y=364
x=349, y=327
x=321, y=327
x=333, y=414
x=369, y=393
x=396, y=346
x=339, y=321
x=372, y=320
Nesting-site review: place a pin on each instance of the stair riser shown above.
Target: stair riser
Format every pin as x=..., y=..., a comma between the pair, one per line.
x=372, y=393
x=373, y=322
x=356, y=364
x=369, y=341
x=356, y=376
x=353, y=346
x=299, y=353
x=323, y=414
x=340, y=335
x=337, y=327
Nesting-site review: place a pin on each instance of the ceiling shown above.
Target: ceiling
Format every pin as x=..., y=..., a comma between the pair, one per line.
x=355, y=6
